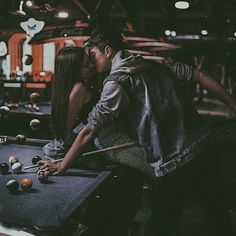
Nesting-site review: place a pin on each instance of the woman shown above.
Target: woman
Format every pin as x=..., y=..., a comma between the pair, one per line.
x=73, y=95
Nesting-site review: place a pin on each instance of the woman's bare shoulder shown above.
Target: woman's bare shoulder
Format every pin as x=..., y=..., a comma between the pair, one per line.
x=79, y=91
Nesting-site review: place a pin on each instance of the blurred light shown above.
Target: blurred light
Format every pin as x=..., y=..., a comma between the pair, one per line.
x=156, y=58
x=204, y=32
x=167, y=32
x=139, y=52
x=19, y=73
x=62, y=14
x=137, y=38
x=65, y=35
x=29, y=3
x=234, y=34
x=182, y=5
x=173, y=33
x=42, y=73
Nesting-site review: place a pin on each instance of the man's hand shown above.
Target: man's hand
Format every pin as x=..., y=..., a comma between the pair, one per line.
x=51, y=166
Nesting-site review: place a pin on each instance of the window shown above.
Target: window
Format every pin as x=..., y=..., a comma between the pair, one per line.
x=48, y=56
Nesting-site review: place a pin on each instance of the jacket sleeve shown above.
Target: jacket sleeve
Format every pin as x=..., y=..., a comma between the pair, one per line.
x=113, y=100
x=184, y=72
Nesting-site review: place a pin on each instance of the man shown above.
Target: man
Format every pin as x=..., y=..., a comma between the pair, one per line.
x=150, y=102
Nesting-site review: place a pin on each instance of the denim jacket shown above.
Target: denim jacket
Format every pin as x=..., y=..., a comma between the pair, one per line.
x=145, y=97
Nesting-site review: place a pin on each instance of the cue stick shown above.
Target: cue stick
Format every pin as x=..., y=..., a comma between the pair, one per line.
x=124, y=145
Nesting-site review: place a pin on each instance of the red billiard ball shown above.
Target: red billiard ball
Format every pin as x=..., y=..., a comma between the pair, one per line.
x=4, y=168
x=12, y=185
x=26, y=184
x=34, y=97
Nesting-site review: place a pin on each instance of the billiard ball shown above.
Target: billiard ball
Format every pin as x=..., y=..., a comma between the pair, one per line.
x=35, y=124
x=13, y=159
x=34, y=97
x=35, y=159
x=4, y=168
x=4, y=111
x=26, y=184
x=27, y=59
x=12, y=185
x=42, y=176
x=20, y=138
x=16, y=168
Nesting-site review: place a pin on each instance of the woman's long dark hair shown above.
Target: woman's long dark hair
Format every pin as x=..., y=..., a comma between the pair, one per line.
x=68, y=63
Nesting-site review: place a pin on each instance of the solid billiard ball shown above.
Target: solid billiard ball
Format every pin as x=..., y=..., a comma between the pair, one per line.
x=27, y=59
x=12, y=185
x=4, y=168
x=20, y=138
x=4, y=111
x=13, y=159
x=35, y=124
x=16, y=168
x=34, y=97
x=26, y=184
x=42, y=176
x=35, y=159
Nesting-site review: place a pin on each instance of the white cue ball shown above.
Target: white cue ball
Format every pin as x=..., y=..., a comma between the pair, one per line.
x=17, y=167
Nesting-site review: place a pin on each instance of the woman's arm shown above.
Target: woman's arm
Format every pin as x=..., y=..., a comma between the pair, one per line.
x=85, y=136
x=79, y=96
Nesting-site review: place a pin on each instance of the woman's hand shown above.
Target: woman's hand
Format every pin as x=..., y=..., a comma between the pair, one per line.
x=51, y=166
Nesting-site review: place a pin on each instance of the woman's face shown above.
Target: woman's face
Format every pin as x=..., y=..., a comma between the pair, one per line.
x=87, y=69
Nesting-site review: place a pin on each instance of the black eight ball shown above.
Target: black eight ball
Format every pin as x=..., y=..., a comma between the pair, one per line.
x=12, y=185
x=4, y=168
x=35, y=159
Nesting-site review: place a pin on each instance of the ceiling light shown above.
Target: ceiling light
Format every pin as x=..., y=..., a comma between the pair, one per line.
x=62, y=14
x=173, y=33
x=167, y=32
x=204, y=32
x=182, y=5
x=234, y=34
x=29, y=3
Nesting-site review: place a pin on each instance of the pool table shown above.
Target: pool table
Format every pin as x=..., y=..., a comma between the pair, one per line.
x=100, y=200
x=18, y=121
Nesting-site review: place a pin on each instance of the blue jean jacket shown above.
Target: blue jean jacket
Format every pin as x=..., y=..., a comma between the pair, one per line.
x=158, y=114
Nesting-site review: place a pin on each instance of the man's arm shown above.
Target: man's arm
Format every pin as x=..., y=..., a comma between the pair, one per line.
x=85, y=136
x=213, y=86
x=185, y=72
x=113, y=100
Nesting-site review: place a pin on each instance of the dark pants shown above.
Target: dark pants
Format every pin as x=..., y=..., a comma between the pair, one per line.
x=200, y=179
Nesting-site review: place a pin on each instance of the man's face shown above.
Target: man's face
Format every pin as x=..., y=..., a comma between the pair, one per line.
x=100, y=59
x=87, y=69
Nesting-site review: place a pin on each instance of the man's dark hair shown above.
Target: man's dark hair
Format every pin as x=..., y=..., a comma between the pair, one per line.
x=102, y=37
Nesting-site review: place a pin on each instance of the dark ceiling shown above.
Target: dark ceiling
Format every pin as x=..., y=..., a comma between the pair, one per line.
x=148, y=16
